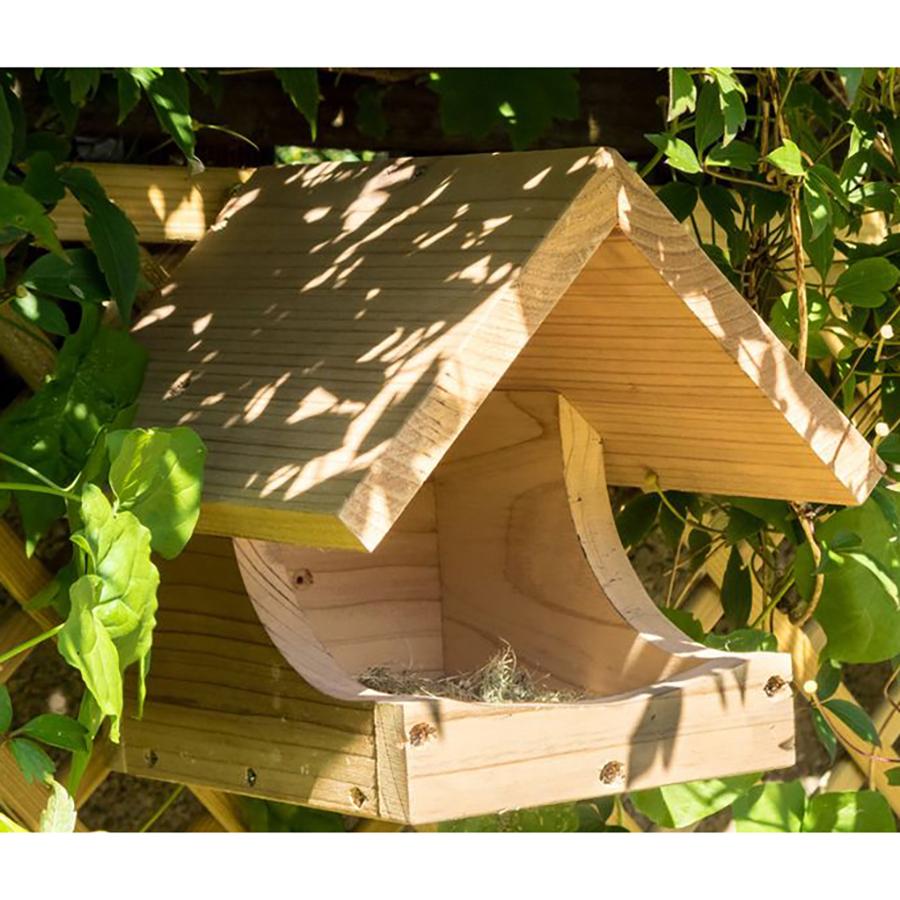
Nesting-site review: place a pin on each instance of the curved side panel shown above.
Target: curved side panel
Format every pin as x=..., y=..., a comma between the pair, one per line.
x=592, y=514
x=270, y=589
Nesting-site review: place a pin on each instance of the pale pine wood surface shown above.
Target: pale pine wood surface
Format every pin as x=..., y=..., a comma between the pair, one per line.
x=528, y=552
x=706, y=723
x=512, y=566
x=337, y=328
x=165, y=203
x=225, y=711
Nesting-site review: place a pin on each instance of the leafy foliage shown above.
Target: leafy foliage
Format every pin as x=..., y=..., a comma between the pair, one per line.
x=523, y=101
x=60, y=444
x=786, y=163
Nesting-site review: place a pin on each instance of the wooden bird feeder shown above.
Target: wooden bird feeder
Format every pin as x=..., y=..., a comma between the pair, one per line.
x=416, y=379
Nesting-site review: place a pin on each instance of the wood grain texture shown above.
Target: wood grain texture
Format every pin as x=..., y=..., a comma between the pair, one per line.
x=711, y=721
x=340, y=324
x=513, y=567
x=528, y=552
x=222, y=807
x=29, y=356
x=363, y=609
x=25, y=802
x=165, y=203
x=16, y=627
x=23, y=577
x=225, y=711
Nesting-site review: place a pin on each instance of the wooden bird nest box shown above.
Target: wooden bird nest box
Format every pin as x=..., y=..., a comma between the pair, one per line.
x=415, y=379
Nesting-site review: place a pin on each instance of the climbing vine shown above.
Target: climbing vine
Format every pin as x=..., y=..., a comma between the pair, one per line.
x=789, y=180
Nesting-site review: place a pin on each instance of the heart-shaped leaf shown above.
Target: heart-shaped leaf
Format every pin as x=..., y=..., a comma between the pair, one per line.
x=157, y=474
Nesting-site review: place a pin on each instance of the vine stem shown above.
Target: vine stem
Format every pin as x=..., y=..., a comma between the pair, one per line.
x=773, y=602
x=32, y=642
x=799, y=277
x=827, y=715
x=166, y=805
x=31, y=471
x=37, y=489
x=816, y=551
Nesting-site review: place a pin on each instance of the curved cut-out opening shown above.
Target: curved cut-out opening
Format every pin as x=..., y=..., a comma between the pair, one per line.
x=511, y=541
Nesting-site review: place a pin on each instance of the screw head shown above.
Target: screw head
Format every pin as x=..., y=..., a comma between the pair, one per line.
x=612, y=772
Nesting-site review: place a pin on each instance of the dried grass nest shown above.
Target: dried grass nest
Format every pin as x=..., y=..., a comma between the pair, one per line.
x=500, y=680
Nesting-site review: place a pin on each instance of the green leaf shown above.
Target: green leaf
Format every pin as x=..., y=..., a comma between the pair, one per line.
x=851, y=78
x=737, y=590
x=41, y=312
x=636, y=519
x=59, y=815
x=302, y=86
x=79, y=278
x=828, y=679
x=85, y=644
x=788, y=159
x=737, y=155
x=743, y=640
x=6, y=131
x=889, y=448
x=684, y=621
x=34, y=764
x=6, y=710
x=821, y=249
x=98, y=375
x=775, y=513
x=721, y=205
x=682, y=93
x=679, y=154
x=157, y=474
x=118, y=549
x=82, y=83
x=860, y=618
x=893, y=776
x=680, y=805
x=741, y=525
x=773, y=806
x=785, y=320
x=56, y=731
x=710, y=124
x=113, y=236
x=48, y=142
x=18, y=209
x=860, y=811
x=129, y=93
x=818, y=207
x=855, y=718
x=864, y=283
x=825, y=734
x=523, y=102
x=42, y=180
x=61, y=94
x=679, y=197
x=731, y=101
x=169, y=95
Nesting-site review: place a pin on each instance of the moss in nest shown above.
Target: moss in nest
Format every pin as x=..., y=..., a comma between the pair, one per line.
x=500, y=680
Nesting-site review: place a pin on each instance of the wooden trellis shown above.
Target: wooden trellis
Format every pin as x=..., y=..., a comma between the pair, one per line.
x=169, y=207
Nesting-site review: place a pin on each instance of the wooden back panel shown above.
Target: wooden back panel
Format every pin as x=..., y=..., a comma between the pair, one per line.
x=513, y=569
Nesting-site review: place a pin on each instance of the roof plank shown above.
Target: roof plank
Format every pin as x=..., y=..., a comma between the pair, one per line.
x=340, y=324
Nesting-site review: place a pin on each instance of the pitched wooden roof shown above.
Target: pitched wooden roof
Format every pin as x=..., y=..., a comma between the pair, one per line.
x=341, y=323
